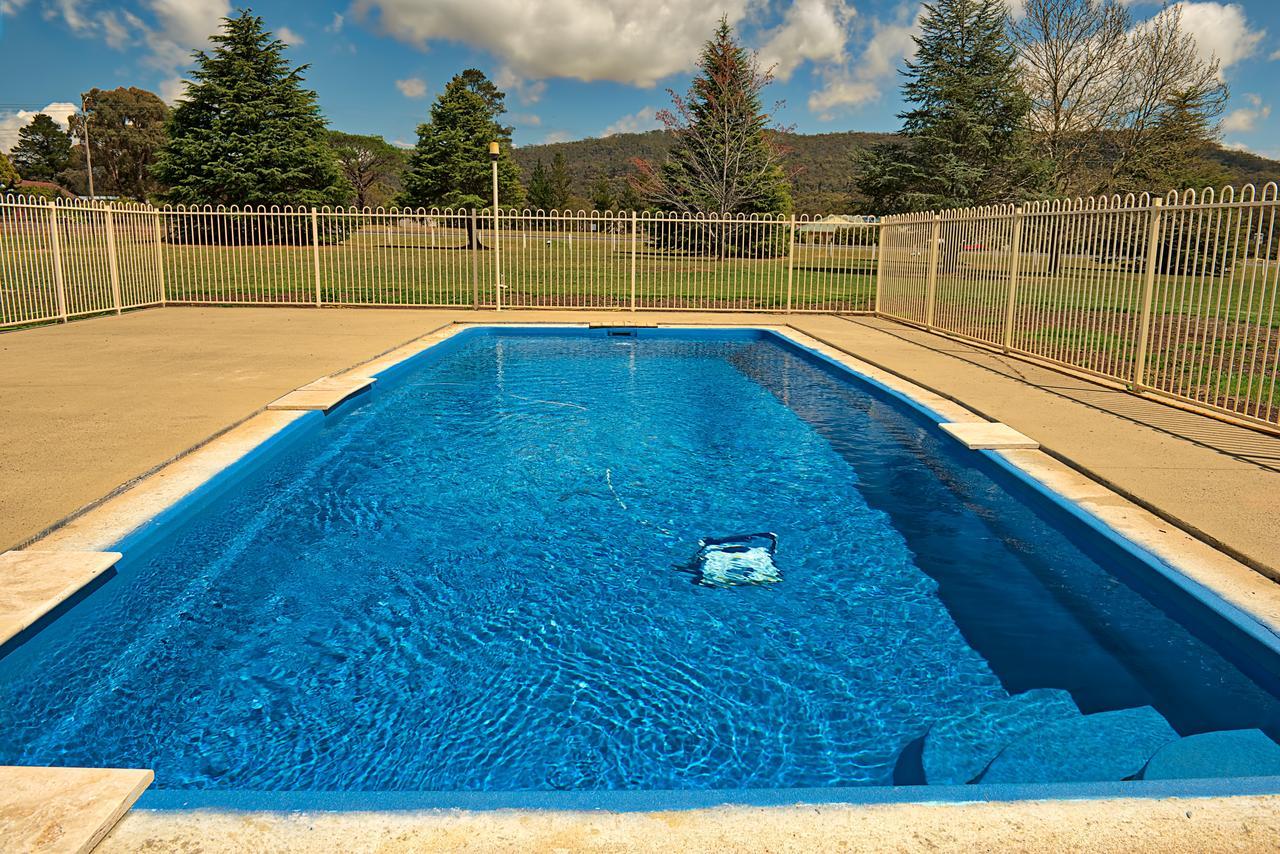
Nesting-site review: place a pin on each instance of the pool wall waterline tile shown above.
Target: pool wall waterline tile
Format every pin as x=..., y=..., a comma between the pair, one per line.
x=56, y=810
x=34, y=582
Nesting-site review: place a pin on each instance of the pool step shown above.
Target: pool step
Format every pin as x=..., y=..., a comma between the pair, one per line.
x=322, y=394
x=957, y=750
x=1100, y=747
x=1229, y=753
x=50, y=810
x=33, y=582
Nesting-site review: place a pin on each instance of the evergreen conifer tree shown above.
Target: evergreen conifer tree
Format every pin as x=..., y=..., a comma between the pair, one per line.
x=43, y=150
x=247, y=132
x=966, y=138
x=724, y=160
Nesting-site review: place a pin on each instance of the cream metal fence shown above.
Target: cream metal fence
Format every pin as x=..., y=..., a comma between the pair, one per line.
x=1175, y=296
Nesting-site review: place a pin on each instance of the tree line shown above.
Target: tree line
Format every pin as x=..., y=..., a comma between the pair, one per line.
x=1073, y=98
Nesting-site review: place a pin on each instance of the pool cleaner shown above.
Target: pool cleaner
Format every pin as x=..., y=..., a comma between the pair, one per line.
x=736, y=560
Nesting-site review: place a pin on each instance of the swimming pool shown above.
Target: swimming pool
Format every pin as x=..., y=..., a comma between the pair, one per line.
x=482, y=577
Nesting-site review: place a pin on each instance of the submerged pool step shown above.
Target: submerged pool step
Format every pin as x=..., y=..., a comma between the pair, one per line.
x=322, y=394
x=1091, y=748
x=1230, y=753
x=958, y=749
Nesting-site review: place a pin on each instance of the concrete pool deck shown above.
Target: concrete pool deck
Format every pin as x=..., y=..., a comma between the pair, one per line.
x=166, y=358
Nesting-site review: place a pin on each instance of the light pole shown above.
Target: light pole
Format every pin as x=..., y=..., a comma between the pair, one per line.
x=88, y=155
x=497, y=248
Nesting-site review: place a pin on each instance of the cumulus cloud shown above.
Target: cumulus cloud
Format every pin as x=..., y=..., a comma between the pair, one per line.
x=11, y=123
x=1245, y=119
x=289, y=37
x=528, y=91
x=413, y=87
x=174, y=28
x=811, y=30
x=641, y=120
x=1220, y=29
x=864, y=79
x=620, y=40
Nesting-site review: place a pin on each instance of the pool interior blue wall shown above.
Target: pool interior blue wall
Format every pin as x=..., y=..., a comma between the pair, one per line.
x=1234, y=634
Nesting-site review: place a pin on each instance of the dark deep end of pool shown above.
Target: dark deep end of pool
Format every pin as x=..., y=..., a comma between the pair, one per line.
x=478, y=577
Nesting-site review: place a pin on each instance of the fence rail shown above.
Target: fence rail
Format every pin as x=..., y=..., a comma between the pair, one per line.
x=1175, y=296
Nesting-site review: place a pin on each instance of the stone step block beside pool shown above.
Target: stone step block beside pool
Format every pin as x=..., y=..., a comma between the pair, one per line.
x=322, y=394
x=1092, y=748
x=37, y=581
x=49, y=810
x=988, y=436
x=956, y=750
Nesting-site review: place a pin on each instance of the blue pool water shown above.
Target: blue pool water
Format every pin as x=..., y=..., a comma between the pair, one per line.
x=477, y=578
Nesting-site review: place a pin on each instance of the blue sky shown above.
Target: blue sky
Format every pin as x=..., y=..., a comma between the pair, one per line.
x=572, y=68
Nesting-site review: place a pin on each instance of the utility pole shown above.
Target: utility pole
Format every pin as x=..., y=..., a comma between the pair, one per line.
x=88, y=155
x=494, y=152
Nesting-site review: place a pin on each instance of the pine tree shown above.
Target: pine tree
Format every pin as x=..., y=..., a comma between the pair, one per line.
x=966, y=138
x=561, y=183
x=724, y=160
x=540, y=197
x=43, y=150
x=246, y=132
x=602, y=195
x=449, y=167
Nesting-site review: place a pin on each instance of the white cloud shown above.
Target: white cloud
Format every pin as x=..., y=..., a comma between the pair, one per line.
x=289, y=37
x=1245, y=119
x=621, y=40
x=11, y=123
x=11, y=7
x=641, y=120
x=530, y=120
x=1220, y=29
x=556, y=136
x=812, y=30
x=175, y=28
x=528, y=91
x=335, y=26
x=172, y=88
x=863, y=80
x=413, y=87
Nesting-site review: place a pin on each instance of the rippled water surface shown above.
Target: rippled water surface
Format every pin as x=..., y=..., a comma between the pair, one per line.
x=473, y=580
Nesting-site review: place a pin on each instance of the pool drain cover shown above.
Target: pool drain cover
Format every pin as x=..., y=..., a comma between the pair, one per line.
x=736, y=560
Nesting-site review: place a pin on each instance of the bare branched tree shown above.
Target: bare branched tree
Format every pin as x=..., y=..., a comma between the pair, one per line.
x=1099, y=86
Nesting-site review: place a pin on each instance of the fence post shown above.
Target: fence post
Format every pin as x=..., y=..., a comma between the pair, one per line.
x=931, y=280
x=634, y=241
x=880, y=251
x=497, y=262
x=1148, y=289
x=55, y=240
x=791, y=261
x=113, y=260
x=164, y=295
x=1015, y=264
x=315, y=250
x=475, y=264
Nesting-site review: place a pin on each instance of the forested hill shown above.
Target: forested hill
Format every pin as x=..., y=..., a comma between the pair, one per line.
x=821, y=164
